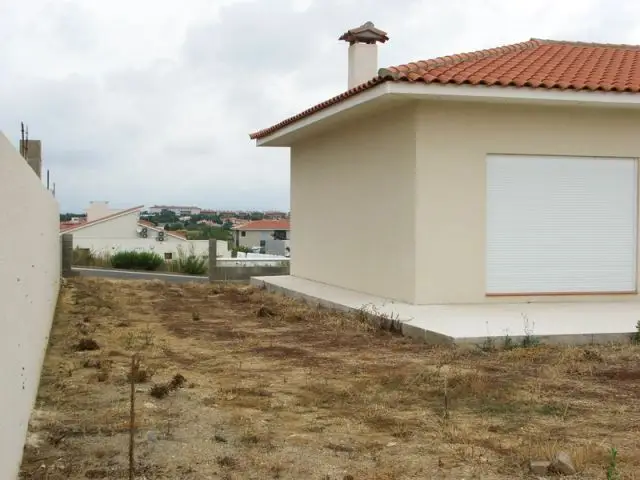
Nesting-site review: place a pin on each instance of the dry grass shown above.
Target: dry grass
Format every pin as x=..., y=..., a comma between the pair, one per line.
x=275, y=389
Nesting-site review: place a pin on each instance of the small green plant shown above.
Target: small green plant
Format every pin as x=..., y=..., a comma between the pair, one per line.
x=159, y=390
x=489, y=345
x=529, y=340
x=190, y=262
x=134, y=260
x=85, y=257
x=239, y=248
x=508, y=343
x=635, y=338
x=227, y=461
x=86, y=345
x=612, y=470
x=148, y=336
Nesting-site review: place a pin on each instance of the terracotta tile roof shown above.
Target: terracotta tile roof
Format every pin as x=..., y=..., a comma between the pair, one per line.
x=264, y=225
x=547, y=64
x=321, y=106
x=69, y=225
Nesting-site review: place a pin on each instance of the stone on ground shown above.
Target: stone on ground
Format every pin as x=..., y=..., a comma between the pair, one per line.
x=562, y=463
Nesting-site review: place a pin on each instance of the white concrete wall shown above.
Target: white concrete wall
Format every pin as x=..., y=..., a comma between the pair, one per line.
x=252, y=238
x=120, y=233
x=252, y=260
x=29, y=283
x=113, y=245
x=120, y=227
x=353, y=201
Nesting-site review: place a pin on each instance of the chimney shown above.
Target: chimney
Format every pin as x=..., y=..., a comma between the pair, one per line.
x=32, y=152
x=98, y=210
x=363, y=52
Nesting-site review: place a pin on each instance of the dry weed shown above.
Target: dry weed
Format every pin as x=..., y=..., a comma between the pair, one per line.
x=278, y=389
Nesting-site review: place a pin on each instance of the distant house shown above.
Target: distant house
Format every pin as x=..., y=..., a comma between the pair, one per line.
x=274, y=215
x=178, y=210
x=209, y=223
x=506, y=175
x=258, y=233
x=108, y=230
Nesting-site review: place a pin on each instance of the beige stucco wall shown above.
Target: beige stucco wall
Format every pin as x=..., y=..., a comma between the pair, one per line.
x=29, y=282
x=251, y=239
x=119, y=227
x=453, y=140
x=353, y=208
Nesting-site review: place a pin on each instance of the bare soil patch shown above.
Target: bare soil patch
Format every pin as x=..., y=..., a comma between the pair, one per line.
x=250, y=385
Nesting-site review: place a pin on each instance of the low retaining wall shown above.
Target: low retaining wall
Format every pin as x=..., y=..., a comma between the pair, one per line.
x=237, y=274
x=29, y=282
x=110, y=245
x=219, y=273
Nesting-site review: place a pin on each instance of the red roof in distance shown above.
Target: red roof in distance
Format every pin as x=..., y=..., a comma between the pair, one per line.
x=264, y=225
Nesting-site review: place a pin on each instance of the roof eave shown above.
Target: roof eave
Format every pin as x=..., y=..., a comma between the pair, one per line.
x=502, y=94
x=287, y=135
x=122, y=213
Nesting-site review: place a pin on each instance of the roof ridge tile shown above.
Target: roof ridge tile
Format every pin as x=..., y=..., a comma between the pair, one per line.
x=576, y=43
x=455, y=59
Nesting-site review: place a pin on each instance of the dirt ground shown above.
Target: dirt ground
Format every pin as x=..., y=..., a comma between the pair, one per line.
x=258, y=386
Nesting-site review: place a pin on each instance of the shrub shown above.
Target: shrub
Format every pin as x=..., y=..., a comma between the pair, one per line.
x=86, y=344
x=239, y=248
x=190, y=262
x=132, y=260
x=82, y=256
x=85, y=257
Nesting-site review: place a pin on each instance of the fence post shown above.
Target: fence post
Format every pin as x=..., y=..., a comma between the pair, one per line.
x=213, y=258
x=66, y=246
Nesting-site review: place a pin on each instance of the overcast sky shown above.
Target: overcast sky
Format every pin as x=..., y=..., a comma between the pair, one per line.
x=151, y=101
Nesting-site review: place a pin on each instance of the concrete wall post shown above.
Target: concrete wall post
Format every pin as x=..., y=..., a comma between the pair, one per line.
x=67, y=253
x=33, y=154
x=213, y=258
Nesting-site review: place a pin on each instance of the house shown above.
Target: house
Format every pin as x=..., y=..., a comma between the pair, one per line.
x=507, y=175
x=274, y=215
x=109, y=230
x=178, y=210
x=262, y=234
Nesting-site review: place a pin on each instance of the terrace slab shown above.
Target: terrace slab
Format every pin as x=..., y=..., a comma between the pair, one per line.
x=572, y=323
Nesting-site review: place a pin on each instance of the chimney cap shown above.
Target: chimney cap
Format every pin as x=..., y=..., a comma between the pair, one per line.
x=365, y=33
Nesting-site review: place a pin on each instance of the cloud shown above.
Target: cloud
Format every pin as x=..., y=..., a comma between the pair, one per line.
x=151, y=102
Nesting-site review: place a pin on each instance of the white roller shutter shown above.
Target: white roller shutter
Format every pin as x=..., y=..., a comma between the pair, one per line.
x=560, y=224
